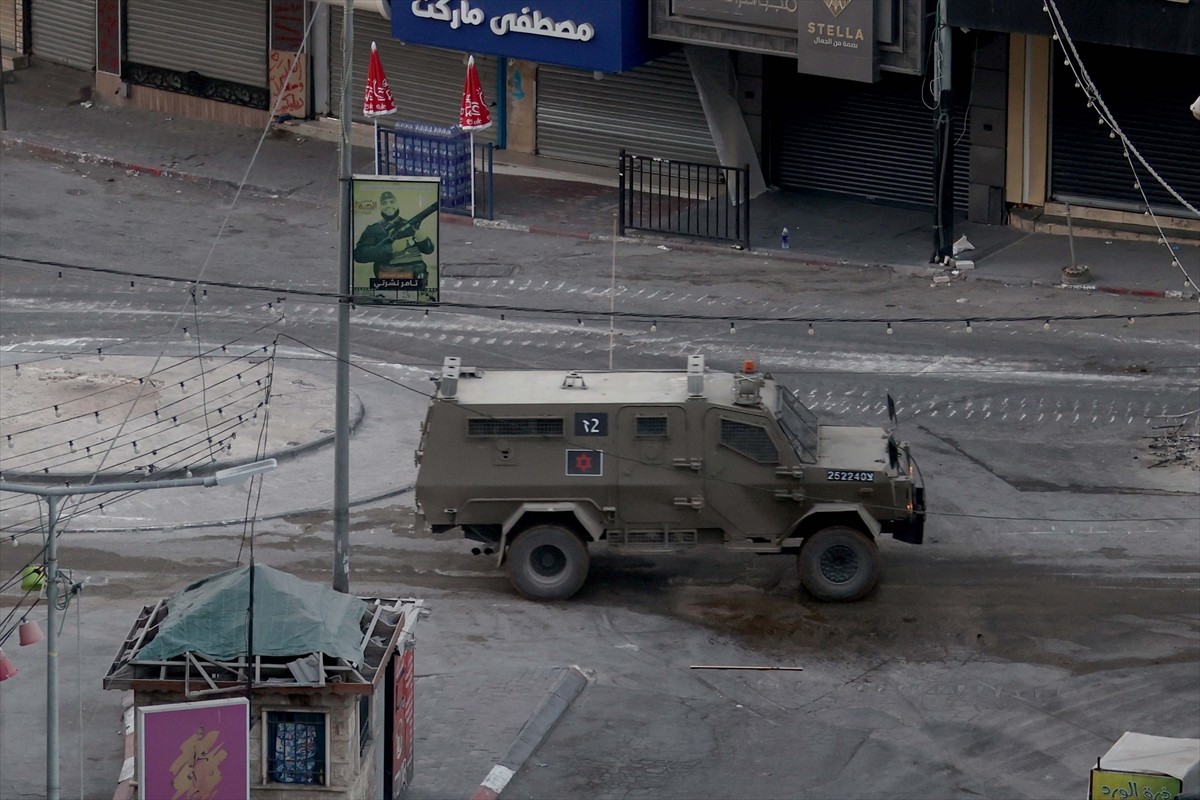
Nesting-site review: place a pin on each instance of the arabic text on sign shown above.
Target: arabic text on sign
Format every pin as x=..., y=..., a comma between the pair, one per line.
x=530, y=22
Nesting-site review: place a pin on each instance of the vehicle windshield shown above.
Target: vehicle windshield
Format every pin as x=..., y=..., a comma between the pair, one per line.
x=799, y=425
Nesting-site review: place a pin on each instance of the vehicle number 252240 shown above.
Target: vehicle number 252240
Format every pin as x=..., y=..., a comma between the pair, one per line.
x=850, y=476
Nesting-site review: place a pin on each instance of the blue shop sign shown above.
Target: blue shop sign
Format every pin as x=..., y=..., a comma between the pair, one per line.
x=604, y=35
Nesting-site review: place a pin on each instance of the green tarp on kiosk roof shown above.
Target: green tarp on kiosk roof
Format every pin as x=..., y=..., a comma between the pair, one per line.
x=292, y=617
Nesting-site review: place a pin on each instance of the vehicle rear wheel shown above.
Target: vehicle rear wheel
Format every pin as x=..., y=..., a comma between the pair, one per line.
x=839, y=564
x=547, y=562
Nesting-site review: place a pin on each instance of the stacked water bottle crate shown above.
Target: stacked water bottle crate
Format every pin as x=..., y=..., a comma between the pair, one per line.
x=421, y=148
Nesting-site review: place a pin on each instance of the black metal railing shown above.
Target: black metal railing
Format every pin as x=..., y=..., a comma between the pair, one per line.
x=685, y=198
x=432, y=150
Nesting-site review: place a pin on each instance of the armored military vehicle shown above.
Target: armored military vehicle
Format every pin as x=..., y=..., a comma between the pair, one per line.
x=538, y=466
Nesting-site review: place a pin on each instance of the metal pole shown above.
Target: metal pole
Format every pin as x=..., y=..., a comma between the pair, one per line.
x=341, y=410
x=1070, y=234
x=943, y=163
x=621, y=191
x=52, y=785
x=3, y=107
x=612, y=299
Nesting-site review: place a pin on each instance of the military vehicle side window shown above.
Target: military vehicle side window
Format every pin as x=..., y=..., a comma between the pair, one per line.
x=652, y=427
x=752, y=441
x=518, y=426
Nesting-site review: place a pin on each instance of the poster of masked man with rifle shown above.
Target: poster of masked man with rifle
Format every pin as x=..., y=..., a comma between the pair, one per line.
x=395, y=222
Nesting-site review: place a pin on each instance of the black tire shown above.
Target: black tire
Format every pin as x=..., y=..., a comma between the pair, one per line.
x=547, y=562
x=839, y=564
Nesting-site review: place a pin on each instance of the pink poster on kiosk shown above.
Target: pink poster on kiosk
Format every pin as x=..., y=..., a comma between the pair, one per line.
x=198, y=751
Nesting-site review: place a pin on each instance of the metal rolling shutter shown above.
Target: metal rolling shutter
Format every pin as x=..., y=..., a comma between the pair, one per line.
x=222, y=39
x=870, y=140
x=64, y=31
x=653, y=110
x=1148, y=94
x=426, y=82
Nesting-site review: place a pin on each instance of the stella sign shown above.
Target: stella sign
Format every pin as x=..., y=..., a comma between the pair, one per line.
x=837, y=39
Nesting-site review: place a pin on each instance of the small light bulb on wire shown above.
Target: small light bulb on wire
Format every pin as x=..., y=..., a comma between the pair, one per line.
x=732, y=329
x=811, y=332
x=654, y=326
x=969, y=326
x=889, y=329
x=187, y=336
x=56, y=413
x=1046, y=327
x=100, y=353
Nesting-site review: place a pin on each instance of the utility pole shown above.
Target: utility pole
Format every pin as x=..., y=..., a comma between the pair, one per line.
x=341, y=405
x=943, y=154
x=53, y=495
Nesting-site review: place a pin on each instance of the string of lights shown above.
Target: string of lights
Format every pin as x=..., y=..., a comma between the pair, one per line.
x=58, y=354
x=654, y=317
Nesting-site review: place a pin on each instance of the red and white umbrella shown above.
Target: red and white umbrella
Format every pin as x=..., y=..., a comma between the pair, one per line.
x=473, y=115
x=377, y=101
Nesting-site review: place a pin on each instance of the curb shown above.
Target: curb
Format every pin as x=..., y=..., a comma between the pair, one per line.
x=534, y=732
x=63, y=154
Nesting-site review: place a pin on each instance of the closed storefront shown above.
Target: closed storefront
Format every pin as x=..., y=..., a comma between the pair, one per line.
x=64, y=31
x=874, y=141
x=215, y=49
x=653, y=110
x=1148, y=94
x=426, y=82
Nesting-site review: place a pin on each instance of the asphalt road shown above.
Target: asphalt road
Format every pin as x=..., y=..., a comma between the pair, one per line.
x=1055, y=604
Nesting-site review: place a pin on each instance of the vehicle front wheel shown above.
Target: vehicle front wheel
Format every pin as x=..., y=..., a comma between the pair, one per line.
x=547, y=562
x=839, y=564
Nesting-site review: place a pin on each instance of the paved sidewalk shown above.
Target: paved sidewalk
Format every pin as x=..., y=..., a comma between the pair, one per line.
x=51, y=113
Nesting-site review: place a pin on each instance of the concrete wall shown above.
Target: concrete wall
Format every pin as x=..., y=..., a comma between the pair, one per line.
x=522, y=106
x=112, y=90
x=989, y=101
x=1028, y=120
